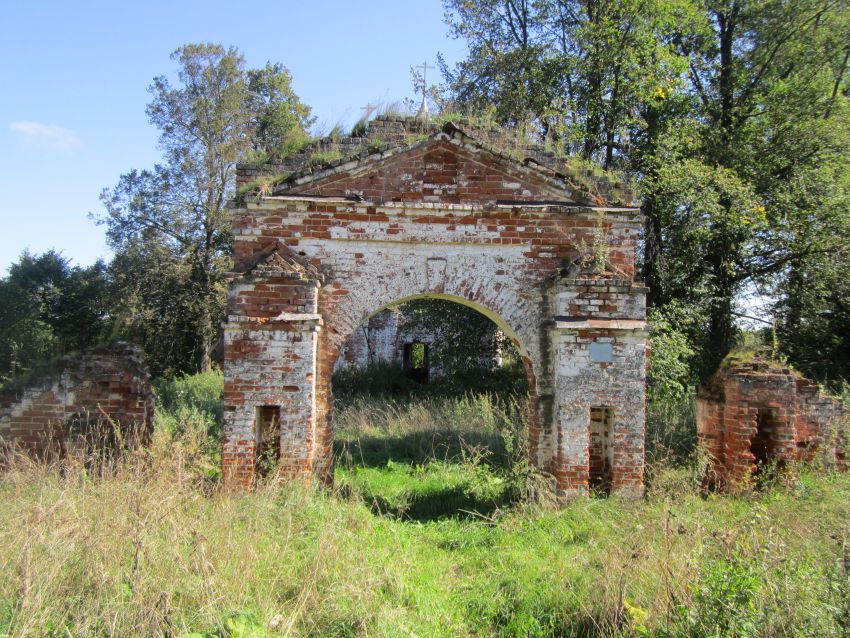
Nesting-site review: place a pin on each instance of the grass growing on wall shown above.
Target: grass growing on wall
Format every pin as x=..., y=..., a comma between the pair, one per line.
x=151, y=546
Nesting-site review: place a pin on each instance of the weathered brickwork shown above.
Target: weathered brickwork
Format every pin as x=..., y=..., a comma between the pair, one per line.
x=105, y=387
x=752, y=414
x=444, y=218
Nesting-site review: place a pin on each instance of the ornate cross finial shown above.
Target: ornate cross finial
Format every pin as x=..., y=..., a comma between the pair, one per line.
x=423, y=110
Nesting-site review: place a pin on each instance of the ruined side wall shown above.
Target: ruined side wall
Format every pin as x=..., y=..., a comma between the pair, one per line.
x=754, y=413
x=105, y=384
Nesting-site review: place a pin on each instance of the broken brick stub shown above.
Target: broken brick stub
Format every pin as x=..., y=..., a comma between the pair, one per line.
x=752, y=414
x=107, y=386
x=449, y=219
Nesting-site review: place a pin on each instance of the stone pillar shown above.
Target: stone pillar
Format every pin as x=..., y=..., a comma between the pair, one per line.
x=272, y=367
x=270, y=347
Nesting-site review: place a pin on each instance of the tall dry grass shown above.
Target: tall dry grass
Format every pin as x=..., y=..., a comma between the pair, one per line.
x=150, y=546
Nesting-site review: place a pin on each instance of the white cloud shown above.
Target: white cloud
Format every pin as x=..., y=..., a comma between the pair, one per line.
x=45, y=136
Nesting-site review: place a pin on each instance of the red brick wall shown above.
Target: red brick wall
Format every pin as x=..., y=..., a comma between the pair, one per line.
x=753, y=410
x=444, y=172
x=102, y=385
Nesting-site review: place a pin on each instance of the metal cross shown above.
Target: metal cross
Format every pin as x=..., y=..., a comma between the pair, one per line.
x=423, y=110
x=425, y=66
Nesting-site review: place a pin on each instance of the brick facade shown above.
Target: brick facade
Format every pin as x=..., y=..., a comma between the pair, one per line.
x=59, y=409
x=444, y=217
x=752, y=413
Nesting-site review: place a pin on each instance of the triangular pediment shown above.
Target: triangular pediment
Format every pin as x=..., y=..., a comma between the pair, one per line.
x=447, y=167
x=277, y=260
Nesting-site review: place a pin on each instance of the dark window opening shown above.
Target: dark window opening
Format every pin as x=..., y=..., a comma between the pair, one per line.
x=601, y=449
x=416, y=361
x=268, y=439
x=763, y=444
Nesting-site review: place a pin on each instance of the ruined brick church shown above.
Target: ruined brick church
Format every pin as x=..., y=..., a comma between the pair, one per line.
x=409, y=211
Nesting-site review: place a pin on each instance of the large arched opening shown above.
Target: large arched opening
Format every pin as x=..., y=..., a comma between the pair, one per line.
x=441, y=217
x=430, y=409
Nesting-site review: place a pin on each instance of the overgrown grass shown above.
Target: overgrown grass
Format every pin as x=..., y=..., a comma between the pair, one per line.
x=430, y=459
x=152, y=547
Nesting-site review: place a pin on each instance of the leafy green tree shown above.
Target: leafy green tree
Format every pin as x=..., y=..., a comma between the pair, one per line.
x=170, y=225
x=48, y=308
x=280, y=119
x=731, y=114
x=577, y=69
x=736, y=191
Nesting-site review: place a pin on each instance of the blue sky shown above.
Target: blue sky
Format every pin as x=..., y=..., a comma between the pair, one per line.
x=75, y=78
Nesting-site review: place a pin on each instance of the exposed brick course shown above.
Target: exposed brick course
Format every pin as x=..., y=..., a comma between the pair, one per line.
x=753, y=413
x=445, y=218
x=107, y=385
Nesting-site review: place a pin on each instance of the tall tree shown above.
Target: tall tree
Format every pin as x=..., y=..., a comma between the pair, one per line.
x=48, y=308
x=174, y=218
x=577, y=69
x=732, y=114
x=764, y=78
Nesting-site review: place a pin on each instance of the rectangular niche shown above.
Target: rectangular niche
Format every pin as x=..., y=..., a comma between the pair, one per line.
x=267, y=450
x=601, y=449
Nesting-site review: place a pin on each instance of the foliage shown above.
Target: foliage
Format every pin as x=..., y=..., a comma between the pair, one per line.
x=576, y=69
x=672, y=352
x=737, y=170
x=48, y=308
x=814, y=316
x=671, y=431
x=169, y=225
x=280, y=119
x=734, y=117
x=189, y=414
x=202, y=392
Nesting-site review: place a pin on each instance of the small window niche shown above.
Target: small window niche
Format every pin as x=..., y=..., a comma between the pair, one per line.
x=601, y=449
x=268, y=439
x=416, y=361
x=763, y=445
